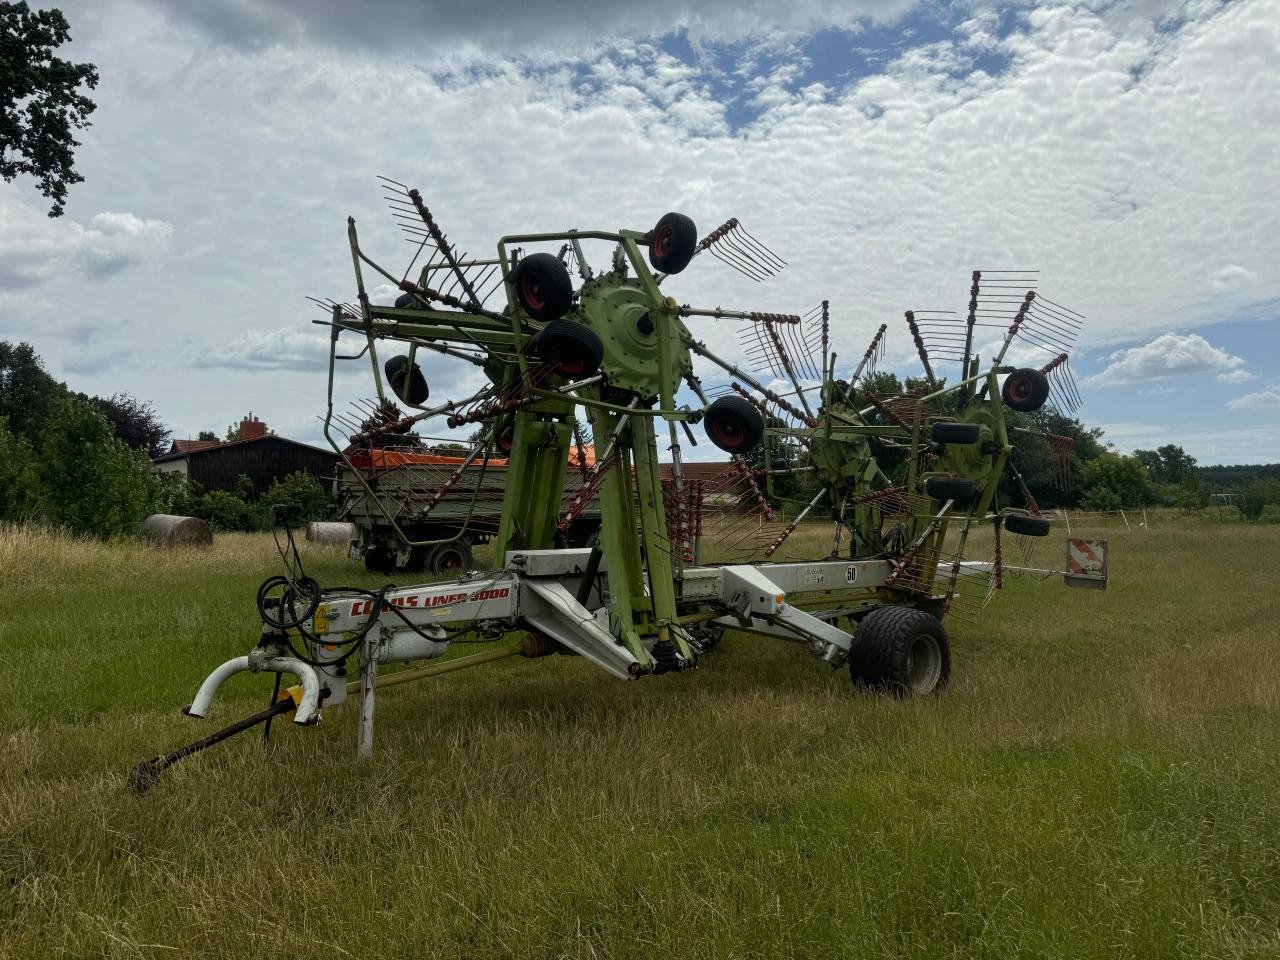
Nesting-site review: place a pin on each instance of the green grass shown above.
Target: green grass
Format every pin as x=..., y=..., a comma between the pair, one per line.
x=1101, y=779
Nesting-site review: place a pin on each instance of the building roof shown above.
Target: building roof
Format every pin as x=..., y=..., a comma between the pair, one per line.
x=190, y=448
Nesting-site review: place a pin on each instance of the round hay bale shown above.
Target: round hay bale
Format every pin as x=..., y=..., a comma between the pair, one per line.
x=322, y=531
x=166, y=530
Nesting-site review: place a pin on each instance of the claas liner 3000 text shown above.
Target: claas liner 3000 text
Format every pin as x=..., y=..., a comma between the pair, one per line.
x=600, y=361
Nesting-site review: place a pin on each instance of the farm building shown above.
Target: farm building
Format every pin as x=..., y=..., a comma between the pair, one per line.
x=259, y=455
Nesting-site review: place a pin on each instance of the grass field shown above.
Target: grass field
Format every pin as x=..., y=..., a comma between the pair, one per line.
x=1101, y=779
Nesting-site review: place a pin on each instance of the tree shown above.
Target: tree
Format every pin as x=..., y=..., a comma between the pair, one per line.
x=27, y=392
x=1169, y=464
x=1259, y=495
x=233, y=433
x=134, y=422
x=1190, y=498
x=296, y=499
x=223, y=510
x=1112, y=482
x=206, y=435
x=20, y=499
x=1040, y=463
x=40, y=102
x=91, y=481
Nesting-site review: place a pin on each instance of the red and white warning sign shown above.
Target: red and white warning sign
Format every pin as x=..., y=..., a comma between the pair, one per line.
x=1086, y=563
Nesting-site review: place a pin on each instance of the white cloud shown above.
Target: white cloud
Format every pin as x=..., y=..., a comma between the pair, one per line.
x=296, y=348
x=527, y=28
x=1254, y=401
x=1168, y=355
x=1131, y=164
x=1230, y=278
x=1235, y=376
x=35, y=249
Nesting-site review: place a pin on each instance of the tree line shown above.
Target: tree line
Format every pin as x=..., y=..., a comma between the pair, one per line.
x=83, y=463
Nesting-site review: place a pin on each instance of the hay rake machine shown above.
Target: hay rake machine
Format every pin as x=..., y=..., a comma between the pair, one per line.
x=611, y=348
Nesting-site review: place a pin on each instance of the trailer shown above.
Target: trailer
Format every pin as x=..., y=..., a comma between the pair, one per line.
x=421, y=511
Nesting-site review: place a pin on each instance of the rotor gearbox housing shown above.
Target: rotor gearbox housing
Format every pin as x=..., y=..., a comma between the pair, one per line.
x=623, y=317
x=841, y=455
x=977, y=461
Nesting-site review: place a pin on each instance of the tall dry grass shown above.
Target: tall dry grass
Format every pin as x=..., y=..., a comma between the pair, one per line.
x=1100, y=780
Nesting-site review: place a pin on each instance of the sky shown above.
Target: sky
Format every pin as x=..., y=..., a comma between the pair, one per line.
x=883, y=148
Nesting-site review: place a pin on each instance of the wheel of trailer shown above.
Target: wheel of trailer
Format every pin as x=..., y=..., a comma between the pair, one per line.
x=542, y=285
x=584, y=533
x=949, y=431
x=733, y=424
x=1026, y=524
x=452, y=557
x=505, y=439
x=406, y=380
x=958, y=489
x=901, y=651
x=1025, y=390
x=380, y=560
x=572, y=349
x=672, y=243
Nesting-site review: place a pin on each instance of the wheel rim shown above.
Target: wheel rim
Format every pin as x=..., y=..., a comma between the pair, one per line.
x=531, y=291
x=662, y=242
x=924, y=664
x=1021, y=389
x=450, y=559
x=564, y=356
x=727, y=433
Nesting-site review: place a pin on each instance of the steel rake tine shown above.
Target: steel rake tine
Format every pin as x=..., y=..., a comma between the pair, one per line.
x=735, y=241
x=779, y=263
x=745, y=267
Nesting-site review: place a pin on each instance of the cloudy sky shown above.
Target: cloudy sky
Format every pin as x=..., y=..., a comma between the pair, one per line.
x=884, y=148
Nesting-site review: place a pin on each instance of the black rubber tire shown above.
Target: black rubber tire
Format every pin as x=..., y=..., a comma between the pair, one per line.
x=572, y=349
x=542, y=286
x=404, y=301
x=1027, y=524
x=959, y=489
x=406, y=382
x=419, y=557
x=901, y=651
x=948, y=431
x=672, y=243
x=450, y=558
x=583, y=533
x=380, y=560
x=733, y=424
x=1025, y=390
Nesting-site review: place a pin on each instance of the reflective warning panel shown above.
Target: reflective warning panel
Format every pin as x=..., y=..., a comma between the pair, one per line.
x=1086, y=564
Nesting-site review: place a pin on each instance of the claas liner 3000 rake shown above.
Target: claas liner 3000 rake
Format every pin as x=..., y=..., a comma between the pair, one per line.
x=897, y=473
